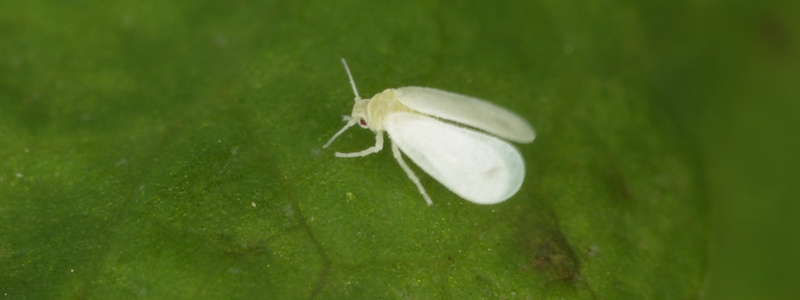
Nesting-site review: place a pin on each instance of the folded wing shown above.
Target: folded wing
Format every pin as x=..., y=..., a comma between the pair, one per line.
x=467, y=110
x=478, y=167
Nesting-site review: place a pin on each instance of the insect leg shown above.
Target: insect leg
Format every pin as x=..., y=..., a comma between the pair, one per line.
x=378, y=146
x=399, y=157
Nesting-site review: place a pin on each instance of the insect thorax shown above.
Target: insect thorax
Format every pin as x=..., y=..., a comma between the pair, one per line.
x=381, y=106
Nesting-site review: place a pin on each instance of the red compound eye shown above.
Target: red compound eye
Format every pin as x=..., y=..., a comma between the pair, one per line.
x=363, y=122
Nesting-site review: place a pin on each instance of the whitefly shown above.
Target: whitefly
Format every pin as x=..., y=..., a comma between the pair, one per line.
x=458, y=140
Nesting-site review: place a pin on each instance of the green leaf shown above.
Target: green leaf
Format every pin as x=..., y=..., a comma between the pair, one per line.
x=173, y=150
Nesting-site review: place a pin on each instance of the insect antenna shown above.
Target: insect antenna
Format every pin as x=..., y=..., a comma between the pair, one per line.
x=352, y=82
x=350, y=123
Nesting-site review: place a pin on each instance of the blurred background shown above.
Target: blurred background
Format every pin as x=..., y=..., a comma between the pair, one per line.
x=724, y=73
x=730, y=78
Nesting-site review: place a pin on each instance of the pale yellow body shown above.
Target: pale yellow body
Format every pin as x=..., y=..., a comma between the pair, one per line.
x=375, y=110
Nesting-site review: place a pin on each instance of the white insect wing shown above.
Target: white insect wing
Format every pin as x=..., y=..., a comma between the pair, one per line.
x=478, y=167
x=467, y=110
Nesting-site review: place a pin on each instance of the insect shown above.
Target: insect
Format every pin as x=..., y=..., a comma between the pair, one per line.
x=431, y=127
